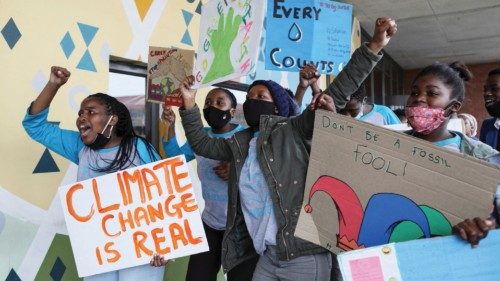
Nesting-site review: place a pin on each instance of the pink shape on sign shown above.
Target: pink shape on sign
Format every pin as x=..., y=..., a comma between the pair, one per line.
x=366, y=269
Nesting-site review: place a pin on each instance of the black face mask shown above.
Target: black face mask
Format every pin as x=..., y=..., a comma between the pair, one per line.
x=253, y=109
x=494, y=109
x=215, y=117
x=100, y=140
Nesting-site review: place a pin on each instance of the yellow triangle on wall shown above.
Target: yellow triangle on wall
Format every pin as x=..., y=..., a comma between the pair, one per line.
x=143, y=7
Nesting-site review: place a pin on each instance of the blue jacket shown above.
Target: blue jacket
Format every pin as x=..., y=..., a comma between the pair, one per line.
x=489, y=133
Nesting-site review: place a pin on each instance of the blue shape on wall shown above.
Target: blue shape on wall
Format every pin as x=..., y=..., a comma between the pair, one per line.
x=88, y=32
x=186, y=39
x=11, y=33
x=198, y=8
x=187, y=16
x=67, y=45
x=58, y=269
x=12, y=276
x=46, y=164
x=86, y=62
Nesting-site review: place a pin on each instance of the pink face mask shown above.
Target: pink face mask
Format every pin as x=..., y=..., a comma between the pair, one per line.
x=424, y=120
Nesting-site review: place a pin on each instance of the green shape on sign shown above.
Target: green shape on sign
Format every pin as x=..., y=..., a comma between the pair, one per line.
x=439, y=225
x=406, y=231
x=221, y=40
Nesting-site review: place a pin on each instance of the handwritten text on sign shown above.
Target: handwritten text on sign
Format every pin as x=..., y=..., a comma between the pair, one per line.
x=300, y=32
x=369, y=186
x=119, y=220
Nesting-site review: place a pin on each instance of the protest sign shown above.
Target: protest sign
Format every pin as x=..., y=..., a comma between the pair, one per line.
x=167, y=67
x=434, y=259
x=119, y=220
x=369, y=186
x=230, y=33
x=308, y=31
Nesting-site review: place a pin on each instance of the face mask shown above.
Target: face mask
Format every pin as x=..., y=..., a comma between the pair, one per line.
x=215, y=117
x=100, y=140
x=253, y=109
x=494, y=109
x=424, y=120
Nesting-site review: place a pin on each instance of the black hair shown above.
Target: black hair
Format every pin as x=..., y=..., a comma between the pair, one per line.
x=495, y=71
x=360, y=93
x=453, y=75
x=230, y=95
x=399, y=112
x=124, y=129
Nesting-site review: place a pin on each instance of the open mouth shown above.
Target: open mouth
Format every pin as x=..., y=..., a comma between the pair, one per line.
x=84, y=130
x=488, y=102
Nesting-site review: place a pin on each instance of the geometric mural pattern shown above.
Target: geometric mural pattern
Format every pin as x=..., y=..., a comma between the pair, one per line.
x=11, y=33
x=59, y=264
x=88, y=32
x=67, y=44
x=46, y=164
x=12, y=276
x=186, y=38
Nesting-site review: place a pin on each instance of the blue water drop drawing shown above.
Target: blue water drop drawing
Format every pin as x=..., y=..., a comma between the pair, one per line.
x=294, y=33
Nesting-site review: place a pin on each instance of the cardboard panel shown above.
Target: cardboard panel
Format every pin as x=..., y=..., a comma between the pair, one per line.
x=369, y=186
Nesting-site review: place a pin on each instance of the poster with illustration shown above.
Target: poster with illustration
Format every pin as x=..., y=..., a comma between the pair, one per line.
x=167, y=67
x=308, y=31
x=440, y=258
x=121, y=219
x=230, y=33
x=368, y=186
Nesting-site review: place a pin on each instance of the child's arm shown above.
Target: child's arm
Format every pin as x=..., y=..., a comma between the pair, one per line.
x=64, y=142
x=361, y=63
x=198, y=139
x=308, y=77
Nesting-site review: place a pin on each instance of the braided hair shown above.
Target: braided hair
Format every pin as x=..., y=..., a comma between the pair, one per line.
x=124, y=129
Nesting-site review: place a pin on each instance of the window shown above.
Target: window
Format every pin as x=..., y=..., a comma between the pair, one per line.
x=127, y=82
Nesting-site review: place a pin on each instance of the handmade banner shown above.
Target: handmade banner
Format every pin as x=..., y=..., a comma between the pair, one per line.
x=230, y=33
x=308, y=31
x=119, y=220
x=368, y=186
x=434, y=259
x=167, y=67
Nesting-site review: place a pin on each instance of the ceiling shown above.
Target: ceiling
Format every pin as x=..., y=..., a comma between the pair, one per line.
x=437, y=30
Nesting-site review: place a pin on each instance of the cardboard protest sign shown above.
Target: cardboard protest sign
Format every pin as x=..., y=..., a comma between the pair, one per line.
x=167, y=67
x=308, y=31
x=119, y=220
x=435, y=259
x=369, y=186
x=230, y=33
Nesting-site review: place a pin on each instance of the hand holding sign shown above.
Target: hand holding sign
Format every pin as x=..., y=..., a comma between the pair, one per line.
x=188, y=94
x=385, y=28
x=221, y=40
x=59, y=76
x=473, y=230
x=322, y=101
x=222, y=170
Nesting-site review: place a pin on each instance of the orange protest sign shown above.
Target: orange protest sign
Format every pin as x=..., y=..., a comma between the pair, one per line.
x=121, y=219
